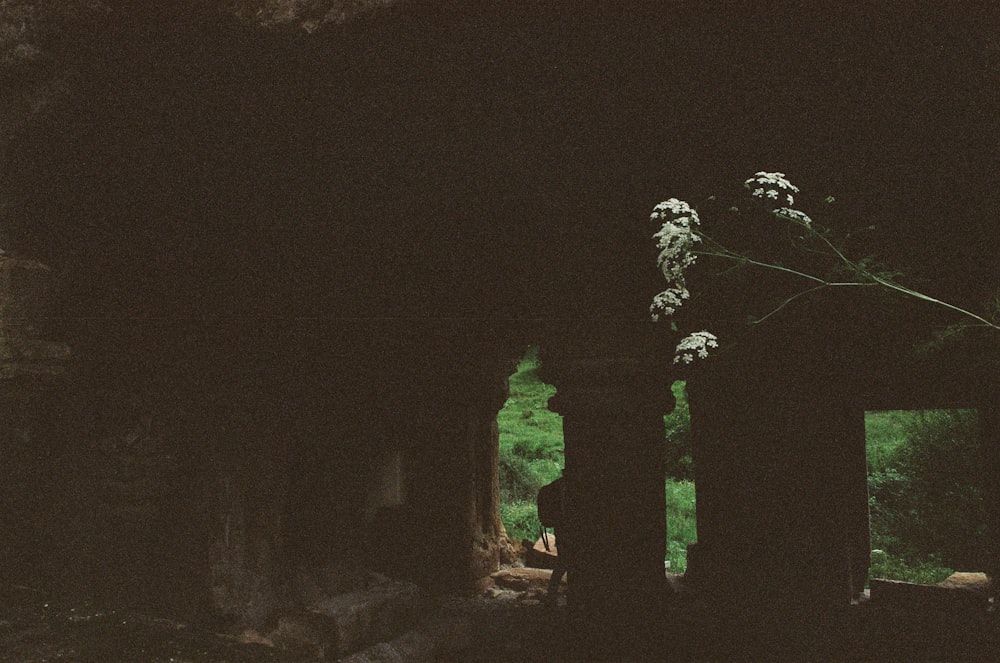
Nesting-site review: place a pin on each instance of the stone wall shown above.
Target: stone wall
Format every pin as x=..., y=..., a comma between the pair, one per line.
x=238, y=489
x=32, y=376
x=301, y=499
x=288, y=264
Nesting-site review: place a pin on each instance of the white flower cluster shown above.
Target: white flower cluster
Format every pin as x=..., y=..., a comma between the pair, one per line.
x=675, y=240
x=676, y=211
x=695, y=345
x=773, y=188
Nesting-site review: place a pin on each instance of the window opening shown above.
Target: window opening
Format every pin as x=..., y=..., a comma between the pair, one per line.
x=925, y=494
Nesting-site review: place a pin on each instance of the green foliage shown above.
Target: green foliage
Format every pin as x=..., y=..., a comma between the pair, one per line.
x=520, y=519
x=531, y=447
x=527, y=427
x=886, y=433
x=945, y=501
x=677, y=431
x=925, y=499
x=682, y=526
x=518, y=480
x=923, y=571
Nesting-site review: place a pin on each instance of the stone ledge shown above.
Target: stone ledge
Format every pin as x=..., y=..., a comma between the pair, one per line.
x=960, y=591
x=521, y=580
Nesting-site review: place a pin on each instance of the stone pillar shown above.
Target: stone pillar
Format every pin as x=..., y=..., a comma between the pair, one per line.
x=735, y=446
x=829, y=544
x=31, y=369
x=612, y=405
x=446, y=532
x=782, y=490
x=858, y=518
x=450, y=541
x=989, y=431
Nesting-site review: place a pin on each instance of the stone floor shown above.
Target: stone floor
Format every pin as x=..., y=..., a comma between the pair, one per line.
x=508, y=621
x=497, y=625
x=35, y=628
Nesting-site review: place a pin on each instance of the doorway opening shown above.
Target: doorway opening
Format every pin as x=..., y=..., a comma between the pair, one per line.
x=925, y=494
x=531, y=448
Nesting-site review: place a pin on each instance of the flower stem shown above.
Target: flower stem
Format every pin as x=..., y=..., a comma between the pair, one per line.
x=808, y=291
x=873, y=279
x=739, y=258
x=927, y=298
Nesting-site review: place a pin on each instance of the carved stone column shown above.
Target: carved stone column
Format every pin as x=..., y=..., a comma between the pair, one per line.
x=612, y=401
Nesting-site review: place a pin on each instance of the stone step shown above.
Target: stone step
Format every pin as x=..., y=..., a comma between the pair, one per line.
x=540, y=557
x=341, y=625
x=411, y=647
x=524, y=579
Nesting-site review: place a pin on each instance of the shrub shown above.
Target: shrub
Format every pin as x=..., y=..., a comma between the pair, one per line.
x=942, y=499
x=518, y=481
x=677, y=432
x=925, y=497
x=927, y=571
x=682, y=526
x=520, y=519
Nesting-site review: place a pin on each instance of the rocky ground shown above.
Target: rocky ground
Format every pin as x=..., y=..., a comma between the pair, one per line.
x=37, y=628
x=508, y=620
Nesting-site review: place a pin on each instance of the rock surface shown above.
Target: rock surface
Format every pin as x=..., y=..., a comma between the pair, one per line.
x=522, y=580
x=511, y=551
x=307, y=15
x=411, y=647
x=960, y=591
x=540, y=558
x=37, y=41
x=973, y=582
x=373, y=615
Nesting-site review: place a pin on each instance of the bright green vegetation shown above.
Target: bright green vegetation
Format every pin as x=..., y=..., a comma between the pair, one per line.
x=531, y=455
x=924, y=491
x=682, y=527
x=531, y=444
x=886, y=434
x=923, y=481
